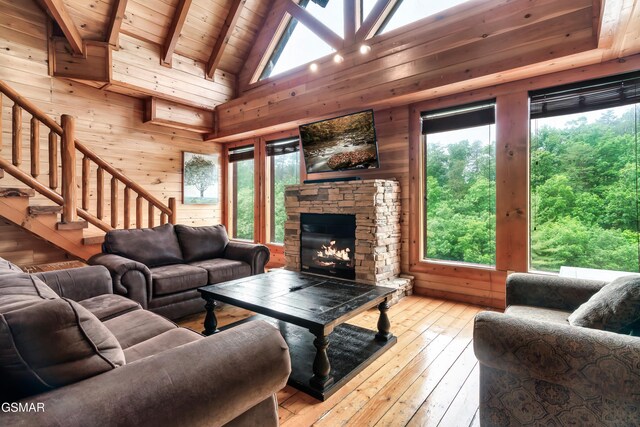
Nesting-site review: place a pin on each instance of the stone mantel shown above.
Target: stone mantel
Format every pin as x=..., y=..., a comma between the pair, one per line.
x=377, y=208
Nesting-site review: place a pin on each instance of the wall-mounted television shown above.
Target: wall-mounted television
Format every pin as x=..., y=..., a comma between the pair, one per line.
x=342, y=143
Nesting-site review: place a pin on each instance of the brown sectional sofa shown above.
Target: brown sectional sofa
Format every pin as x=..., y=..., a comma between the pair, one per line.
x=162, y=267
x=92, y=358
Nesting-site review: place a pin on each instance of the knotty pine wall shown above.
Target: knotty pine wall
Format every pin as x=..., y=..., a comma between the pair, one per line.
x=108, y=123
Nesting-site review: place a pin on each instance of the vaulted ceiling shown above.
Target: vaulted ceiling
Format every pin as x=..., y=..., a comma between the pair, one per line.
x=206, y=54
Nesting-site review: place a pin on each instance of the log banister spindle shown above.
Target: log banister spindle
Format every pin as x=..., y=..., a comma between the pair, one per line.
x=35, y=147
x=86, y=171
x=100, y=193
x=53, y=160
x=127, y=208
x=69, y=208
x=0, y=122
x=139, y=211
x=16, y=135
x=151, y=218
x=174, y=214
x=114, y=202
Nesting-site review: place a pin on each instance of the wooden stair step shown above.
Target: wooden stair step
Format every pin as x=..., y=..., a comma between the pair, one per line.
x=75, y=225
x=17, y=192
x=45, y=210
x=93, y=240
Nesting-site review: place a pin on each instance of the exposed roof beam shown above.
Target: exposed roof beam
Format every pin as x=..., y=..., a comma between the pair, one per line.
x=351, y=20
x=117, y=15
x=318, y=28
x=59, y=13
x=268, y=36
x=374, y=20
x=174, y=32
x=224, y=36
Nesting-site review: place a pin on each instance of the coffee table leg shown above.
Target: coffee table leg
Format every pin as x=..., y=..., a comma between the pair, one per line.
x=321, y=367
x=210, y=321
x=384, y=326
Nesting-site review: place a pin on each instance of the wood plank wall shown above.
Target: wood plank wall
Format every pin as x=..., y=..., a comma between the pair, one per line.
x=110, y=124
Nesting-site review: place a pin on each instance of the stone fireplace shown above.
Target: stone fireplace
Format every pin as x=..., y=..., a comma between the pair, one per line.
x=314, y=231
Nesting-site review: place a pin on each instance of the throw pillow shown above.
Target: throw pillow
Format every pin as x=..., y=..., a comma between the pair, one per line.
x=51, y=344
x=615, y=308
x=202, y=243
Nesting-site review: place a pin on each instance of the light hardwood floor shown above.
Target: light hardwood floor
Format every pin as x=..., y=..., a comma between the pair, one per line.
x=429, y=378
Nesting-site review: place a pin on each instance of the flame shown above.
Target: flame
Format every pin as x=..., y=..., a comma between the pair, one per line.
x=332, y=252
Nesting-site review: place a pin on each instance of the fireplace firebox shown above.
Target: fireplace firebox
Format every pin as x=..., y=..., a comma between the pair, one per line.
x=327, y=244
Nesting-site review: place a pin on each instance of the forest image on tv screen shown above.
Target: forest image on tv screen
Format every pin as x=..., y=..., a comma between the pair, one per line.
x=347, y=142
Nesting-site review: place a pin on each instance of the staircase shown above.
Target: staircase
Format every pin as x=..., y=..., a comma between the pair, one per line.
x=58, y=217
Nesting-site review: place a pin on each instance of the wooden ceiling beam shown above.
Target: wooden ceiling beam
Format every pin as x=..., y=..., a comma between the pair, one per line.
x=117, y=15
x=317, y=27
x=351, y=21
x=375, y=19
x=59, y=12
x=182, y=9
x=268, y=36
x=224, y=36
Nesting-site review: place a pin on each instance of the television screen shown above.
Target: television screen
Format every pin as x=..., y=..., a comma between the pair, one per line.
x=342, y=143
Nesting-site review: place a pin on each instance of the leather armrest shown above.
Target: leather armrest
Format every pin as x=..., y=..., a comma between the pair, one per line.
x=130, y=278
x=539, y=290
x=254, y=254
x=206, y=382
x=79, y=283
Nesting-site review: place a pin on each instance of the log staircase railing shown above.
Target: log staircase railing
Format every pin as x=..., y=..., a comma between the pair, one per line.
x=68, y=150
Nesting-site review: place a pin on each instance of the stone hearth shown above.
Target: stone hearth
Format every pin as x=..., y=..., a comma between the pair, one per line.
x=377, y=208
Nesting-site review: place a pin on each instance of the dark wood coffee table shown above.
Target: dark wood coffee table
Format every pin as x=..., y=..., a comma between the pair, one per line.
x=310, y=312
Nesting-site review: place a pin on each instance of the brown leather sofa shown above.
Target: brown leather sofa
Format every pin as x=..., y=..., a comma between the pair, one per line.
x=75, y=354
x=161, y=267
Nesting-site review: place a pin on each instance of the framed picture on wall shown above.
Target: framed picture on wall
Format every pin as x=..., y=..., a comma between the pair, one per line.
x=200, y=178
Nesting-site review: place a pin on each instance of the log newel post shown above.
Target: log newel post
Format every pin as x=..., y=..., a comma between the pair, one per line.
x=173, y=207
x=69, y=208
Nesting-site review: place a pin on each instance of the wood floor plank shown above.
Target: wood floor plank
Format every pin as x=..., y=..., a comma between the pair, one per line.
x=430, y=377
x=406, y=404
x=465, y=405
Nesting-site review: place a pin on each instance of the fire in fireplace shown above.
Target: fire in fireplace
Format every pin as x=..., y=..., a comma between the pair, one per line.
x=327, y=244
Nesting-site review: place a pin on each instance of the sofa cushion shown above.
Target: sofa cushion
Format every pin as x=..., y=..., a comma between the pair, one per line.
x=614, y=308
x=108, y=306
x=223, y=270
x=201, y=243
x=21, y=290
x=54, y=343
x=165, y=341
x=538, y=313
x=137, y=326
x=177, y=278
x=150, y=246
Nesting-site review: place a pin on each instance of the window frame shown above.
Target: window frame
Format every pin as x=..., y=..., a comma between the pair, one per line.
x=512, y=193
x=262, y=194
x=229, y=194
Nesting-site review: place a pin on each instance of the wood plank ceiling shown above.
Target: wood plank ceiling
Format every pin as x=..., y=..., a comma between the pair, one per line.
x=204, y=53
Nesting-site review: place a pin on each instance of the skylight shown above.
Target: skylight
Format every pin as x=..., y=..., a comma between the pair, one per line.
x=298, y=45
x=408, y=11
x=366, y=7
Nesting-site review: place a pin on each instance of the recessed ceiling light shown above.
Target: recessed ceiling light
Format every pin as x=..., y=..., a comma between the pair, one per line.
x=337, y=58
x=365, y=49
x=313, y=67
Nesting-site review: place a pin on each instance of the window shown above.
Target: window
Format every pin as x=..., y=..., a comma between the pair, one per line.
x=299, y=45
x=460, y=184
x=584, y=175
x=283, y=168
x=241, y=192
x=408, y=11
